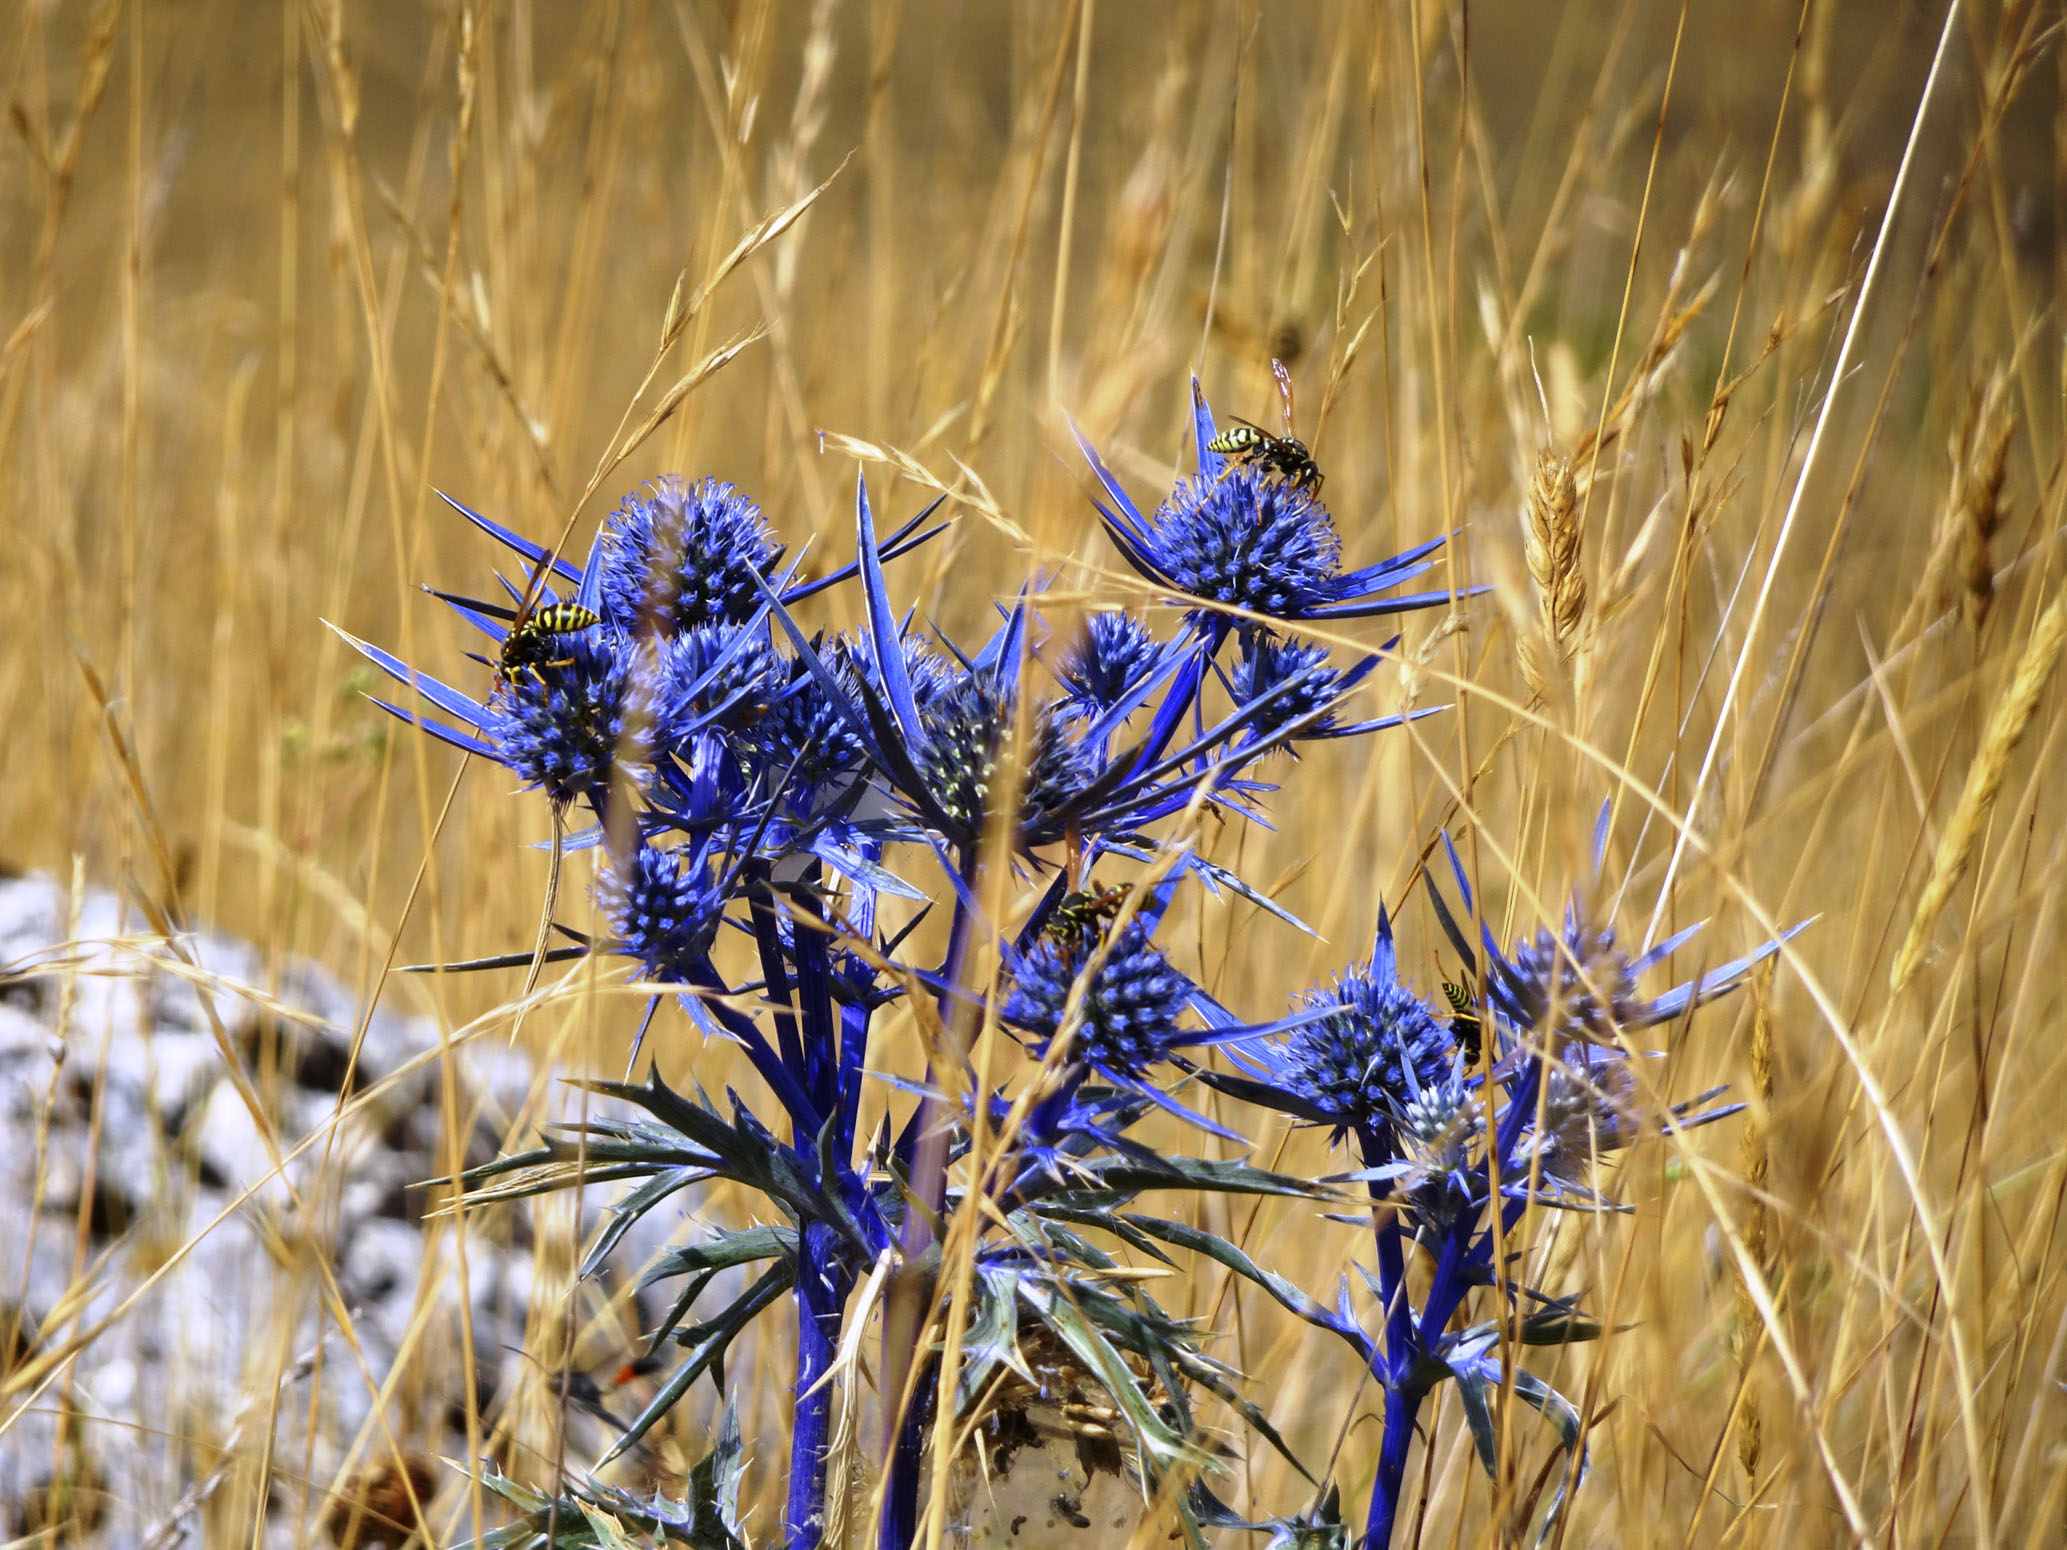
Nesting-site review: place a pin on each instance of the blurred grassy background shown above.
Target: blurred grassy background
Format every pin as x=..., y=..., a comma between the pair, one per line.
x=269, y=277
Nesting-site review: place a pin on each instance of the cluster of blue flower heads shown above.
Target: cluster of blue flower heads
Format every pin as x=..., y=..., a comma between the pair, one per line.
x=771, y=810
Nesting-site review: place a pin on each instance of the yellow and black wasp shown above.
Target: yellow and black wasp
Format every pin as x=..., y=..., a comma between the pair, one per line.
x=1464, y=1019
x=1285, y=457
x=1080, y=917
x=534, y=642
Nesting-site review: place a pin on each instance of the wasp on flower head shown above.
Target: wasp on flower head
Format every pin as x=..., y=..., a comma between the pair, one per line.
x=1255, y=542
x=533, y=642
x=1285, y=457
x=1084, y=916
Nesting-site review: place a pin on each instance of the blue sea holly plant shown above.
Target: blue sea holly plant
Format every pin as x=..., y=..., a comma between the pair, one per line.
x=1462, y=1119
x=797, y=836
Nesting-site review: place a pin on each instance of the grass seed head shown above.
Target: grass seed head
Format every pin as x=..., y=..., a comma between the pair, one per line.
x=1983, y=468
x=1984, y=782
x=1550, y=544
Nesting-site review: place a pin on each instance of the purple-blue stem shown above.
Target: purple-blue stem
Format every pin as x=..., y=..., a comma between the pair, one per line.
x=912, y=1292
x=822, y=1285
x=1463, y=1252
x=821, y=1292
x=1398, y=1438
x=761, y=906
x=1394, y=1362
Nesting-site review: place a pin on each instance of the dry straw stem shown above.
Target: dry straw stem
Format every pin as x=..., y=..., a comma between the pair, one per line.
x=1753, y=1150
x=942, y=248
x=1648, y=378
x=1810, y=453
x=1550, y=543
x=1414, y=665
x=968, y=491
x=1984, y=781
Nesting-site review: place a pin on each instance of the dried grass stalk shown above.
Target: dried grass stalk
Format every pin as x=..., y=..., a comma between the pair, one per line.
x=1414, y=665
x=1755, y=1157
x=2005, y=729
x=1550, y=543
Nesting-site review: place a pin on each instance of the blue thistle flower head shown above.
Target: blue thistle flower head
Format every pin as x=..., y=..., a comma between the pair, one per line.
x=1589, y=1108
x=1579, y=977
x=1301, y=671
x=1130, y=1009
x=1111, y=656
x=929, y=673
x=1362, y=1063
x=1577, y=984
x=566, y=726
x=1251, y=542
x=663, y=906
x=805, y=728
x=679, y=555
x=967, y=723
x=715, y=677
x=1436, y=1129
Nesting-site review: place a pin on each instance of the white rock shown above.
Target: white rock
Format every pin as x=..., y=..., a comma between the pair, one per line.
x=136, y=1099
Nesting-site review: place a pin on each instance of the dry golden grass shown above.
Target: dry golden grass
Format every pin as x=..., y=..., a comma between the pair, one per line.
x=270, y=277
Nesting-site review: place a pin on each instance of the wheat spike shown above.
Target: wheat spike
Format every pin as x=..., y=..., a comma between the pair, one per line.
x=1550, y=544
x=1982, y=472
x=2005, y=729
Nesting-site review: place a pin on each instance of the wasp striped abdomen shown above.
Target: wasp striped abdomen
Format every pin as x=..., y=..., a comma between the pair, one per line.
x=534, y=642
x=1242, y=441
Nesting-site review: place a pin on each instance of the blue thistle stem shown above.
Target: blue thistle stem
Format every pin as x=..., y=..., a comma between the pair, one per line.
x=1466, y=1250
x=1404, y=1391
x=1449, y=1285
x=1394, y=1368
x=854, y=1021
x=820, y=1021
x=1392, y=1269
x=704, y=977
x=913, y=1290
x=1401, y=1406
x=822, y=1283
x=1521, y=1110
x=768, y=940
x=821, y=1292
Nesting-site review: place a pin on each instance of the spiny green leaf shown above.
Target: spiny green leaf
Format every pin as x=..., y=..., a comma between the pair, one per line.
x=1222, y=1252
x=707, y=1344
x=624, y=1213
x=1156, y=1444
x=1134, y=1174
x=1564, y=1415
x=991, y=1340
